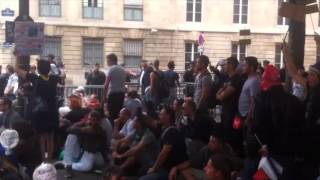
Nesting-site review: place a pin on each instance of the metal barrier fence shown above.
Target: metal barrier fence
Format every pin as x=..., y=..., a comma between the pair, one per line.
x=65, y=91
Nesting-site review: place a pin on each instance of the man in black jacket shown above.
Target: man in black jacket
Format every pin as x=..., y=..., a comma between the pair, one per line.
x=277, y=121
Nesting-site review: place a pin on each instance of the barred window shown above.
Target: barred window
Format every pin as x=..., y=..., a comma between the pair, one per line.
x=50, y=8
x=133, y=10
x=240, y=11
x=92, y=51
x=194, y=10
x=52, y=45
x=238, y=50
x=191, y=52
x=133, y=52
x=93, y=9
x=278, y=60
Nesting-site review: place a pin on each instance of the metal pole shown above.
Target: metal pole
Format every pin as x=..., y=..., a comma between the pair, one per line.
x=23, y=61
x=296, y=41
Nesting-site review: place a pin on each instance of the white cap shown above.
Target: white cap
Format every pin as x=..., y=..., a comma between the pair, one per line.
x=45, y=172
x=9, y=138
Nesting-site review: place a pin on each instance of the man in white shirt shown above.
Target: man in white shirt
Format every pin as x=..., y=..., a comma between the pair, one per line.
x=114, y=87
x=12, y=86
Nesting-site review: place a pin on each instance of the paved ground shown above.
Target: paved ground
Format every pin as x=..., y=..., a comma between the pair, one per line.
x=80, y=176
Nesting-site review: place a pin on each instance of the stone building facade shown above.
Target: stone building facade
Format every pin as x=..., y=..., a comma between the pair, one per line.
x=82, y=32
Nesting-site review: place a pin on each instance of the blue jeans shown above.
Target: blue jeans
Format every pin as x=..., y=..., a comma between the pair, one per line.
x=159, y=175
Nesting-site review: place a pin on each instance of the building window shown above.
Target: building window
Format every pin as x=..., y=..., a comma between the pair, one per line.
x=93, y=9
x=52, y=45
x=50, y=8
x=191, y=52
x=92, y=51
x=132, y=52
x=194, y=10
x=278, y=60
x=240, y=11
x=133, y=10
x=282, y=20
x=239, y=51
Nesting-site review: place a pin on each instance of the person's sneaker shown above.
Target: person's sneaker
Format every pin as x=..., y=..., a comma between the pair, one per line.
x=59, y=165
x=68, y=173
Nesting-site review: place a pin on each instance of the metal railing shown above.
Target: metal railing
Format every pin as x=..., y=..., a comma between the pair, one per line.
x=65, y=91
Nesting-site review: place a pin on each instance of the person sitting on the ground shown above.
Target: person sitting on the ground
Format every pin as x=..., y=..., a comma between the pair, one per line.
x=123, y=125
x=137, y=151
x=85, y=140
x=173, y=148
x=132, y=103
x=9, y=116
x=193, y=168
x=76, y=113
x=219, y=167
x=197, y=128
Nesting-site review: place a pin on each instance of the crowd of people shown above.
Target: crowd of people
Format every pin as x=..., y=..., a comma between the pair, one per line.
x=234, y=115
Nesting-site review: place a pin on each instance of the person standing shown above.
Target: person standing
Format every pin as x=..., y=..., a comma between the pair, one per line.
x=250, y=89
x=229, y=95
x=246, y=104
x=43, y=104
x=189, y=77
x=172, y=79
x=4, y=78
x=96, y=77
x=202, y=83
x=114, y=87
x=145, y=76
x=277, y=123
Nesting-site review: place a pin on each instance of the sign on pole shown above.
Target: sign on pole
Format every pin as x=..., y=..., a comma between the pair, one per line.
x=29, y=38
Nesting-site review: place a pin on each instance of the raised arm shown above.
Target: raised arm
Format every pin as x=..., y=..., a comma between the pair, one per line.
x=291, y=67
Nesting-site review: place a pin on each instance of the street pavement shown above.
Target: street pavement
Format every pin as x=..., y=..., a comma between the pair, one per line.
x=80, y=176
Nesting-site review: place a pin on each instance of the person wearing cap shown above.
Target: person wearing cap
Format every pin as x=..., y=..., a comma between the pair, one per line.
x=229, y=95
x=311, y=126
x=277, y=123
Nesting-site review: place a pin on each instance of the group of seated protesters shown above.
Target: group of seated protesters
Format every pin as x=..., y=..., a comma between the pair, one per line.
x=175, y=141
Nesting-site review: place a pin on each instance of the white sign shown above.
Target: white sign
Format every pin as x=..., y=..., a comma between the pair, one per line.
x=29, y=38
